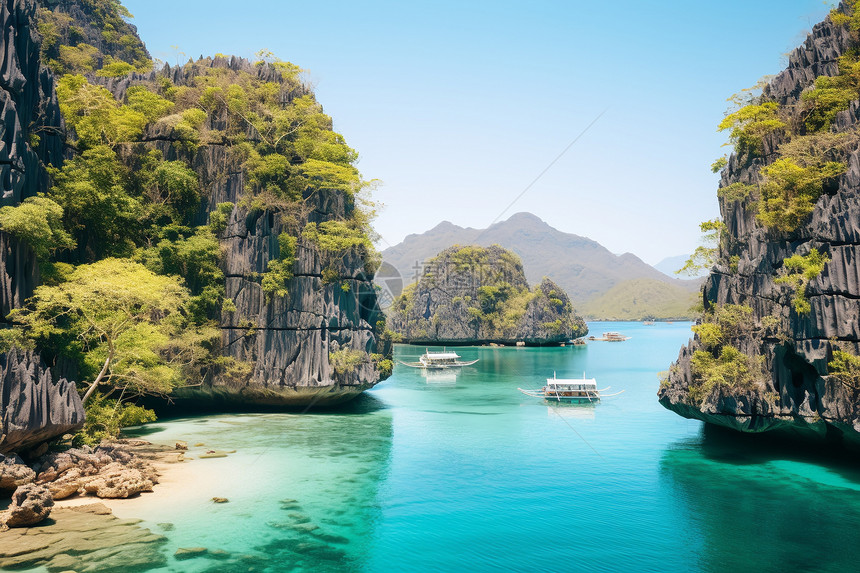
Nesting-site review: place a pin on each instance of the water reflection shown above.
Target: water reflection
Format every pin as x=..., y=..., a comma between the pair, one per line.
x=571, y=411
x=447, y=377
x=801, y=506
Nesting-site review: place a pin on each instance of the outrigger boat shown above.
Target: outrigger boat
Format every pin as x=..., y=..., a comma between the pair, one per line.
x=438, y=361
x=569, y=390
x=611, y=337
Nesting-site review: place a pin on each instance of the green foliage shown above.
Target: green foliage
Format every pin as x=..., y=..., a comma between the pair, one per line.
x=220, y=216
x=38, y=221
x=789, y=191
x=731, y=369
x=637, y=299
x=196, y=260
x=719, y=164
x=115, y=69
x=737, y=192
x=107, y=27
x=845, y=367
x=149, y=104
x=750, y=124
x=280, y=270
x=830, y=96
x=115, y=315
x=705, y=255
x=851, y=19
x=346, y=360
x=385, y=366
x=337, y=237
x=95, y=115
x=96, y=207
x=105, y=418
x=725, y=323
x=797, y=272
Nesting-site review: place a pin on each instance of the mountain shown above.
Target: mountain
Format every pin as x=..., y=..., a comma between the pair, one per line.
x=582, y=267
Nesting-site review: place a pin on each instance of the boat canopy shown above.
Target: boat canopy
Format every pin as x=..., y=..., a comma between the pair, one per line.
x=563, y=382
x=441, y=356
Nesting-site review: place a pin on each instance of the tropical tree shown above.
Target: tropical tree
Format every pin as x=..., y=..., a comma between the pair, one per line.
x=120, y=315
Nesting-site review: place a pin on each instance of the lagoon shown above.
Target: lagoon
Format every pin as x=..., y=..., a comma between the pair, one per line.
x=454, y=473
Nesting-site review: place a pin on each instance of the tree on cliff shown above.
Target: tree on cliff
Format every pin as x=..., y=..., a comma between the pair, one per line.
x=118, y=317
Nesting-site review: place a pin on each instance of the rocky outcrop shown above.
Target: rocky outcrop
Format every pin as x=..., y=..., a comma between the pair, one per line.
x=34, y=407
x=796, y=394
x=108, y=471
x=476, y=295
x=14, y=473
x=31, y=504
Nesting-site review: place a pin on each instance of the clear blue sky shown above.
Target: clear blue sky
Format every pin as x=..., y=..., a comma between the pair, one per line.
x=458, y=106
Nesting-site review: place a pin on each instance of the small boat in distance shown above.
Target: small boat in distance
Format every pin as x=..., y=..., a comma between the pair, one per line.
x=611, y=337
x=569, y=390
x=438, y=361
x=648, y=322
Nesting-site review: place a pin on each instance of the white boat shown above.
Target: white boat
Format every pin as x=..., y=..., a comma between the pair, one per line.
x=438, y=361
x=570, y=390
x=611, y=337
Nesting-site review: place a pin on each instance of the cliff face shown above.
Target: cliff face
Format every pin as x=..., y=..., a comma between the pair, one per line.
x=281, y=343
x=795, y=391
x=473, y=295
x=34, y=407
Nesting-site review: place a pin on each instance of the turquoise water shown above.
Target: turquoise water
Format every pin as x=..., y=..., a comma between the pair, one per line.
x=453, y=473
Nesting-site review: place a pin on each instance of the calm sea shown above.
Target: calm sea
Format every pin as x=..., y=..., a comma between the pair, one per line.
x=465, y=473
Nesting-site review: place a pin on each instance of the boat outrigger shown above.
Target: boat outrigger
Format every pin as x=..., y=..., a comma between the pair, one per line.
x=569, y=390
x=438, y=361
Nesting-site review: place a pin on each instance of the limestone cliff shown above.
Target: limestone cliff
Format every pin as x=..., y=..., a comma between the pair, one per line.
x=790, y=325
x=35, y=406
x=475, y=295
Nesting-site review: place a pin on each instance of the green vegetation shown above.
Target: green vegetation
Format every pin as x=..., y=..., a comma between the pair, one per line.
x=845, y=367
x=346, y=360
x=641, y=299
x=730, y=369
x=705, y=255
x=118, y=317
x=789, y=191
x=37, y=221
x=797, y=272
x=720, y=364
x=750, y=124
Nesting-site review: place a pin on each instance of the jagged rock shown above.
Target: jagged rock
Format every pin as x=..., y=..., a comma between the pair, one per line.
x=34, y=407
x=30, y=505
x=442, y=307
x=798, y=396
x=109, y=471
x=13, y=472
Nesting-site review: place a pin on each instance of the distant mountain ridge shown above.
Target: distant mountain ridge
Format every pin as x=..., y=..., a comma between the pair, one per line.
x=584, y=268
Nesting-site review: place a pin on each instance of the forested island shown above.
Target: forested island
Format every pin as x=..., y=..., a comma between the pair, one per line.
x=478, y=295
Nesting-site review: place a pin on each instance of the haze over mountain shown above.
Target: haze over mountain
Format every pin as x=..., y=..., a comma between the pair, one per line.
x=581, y=266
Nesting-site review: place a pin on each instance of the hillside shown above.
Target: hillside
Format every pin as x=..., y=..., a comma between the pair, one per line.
x=638, y=299
x=582, y=267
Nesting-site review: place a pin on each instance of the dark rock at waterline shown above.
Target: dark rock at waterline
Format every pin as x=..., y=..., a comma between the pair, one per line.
x=797, y=397
x=34, y=406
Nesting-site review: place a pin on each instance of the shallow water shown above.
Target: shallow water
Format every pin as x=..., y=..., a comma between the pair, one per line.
x=463, y=472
